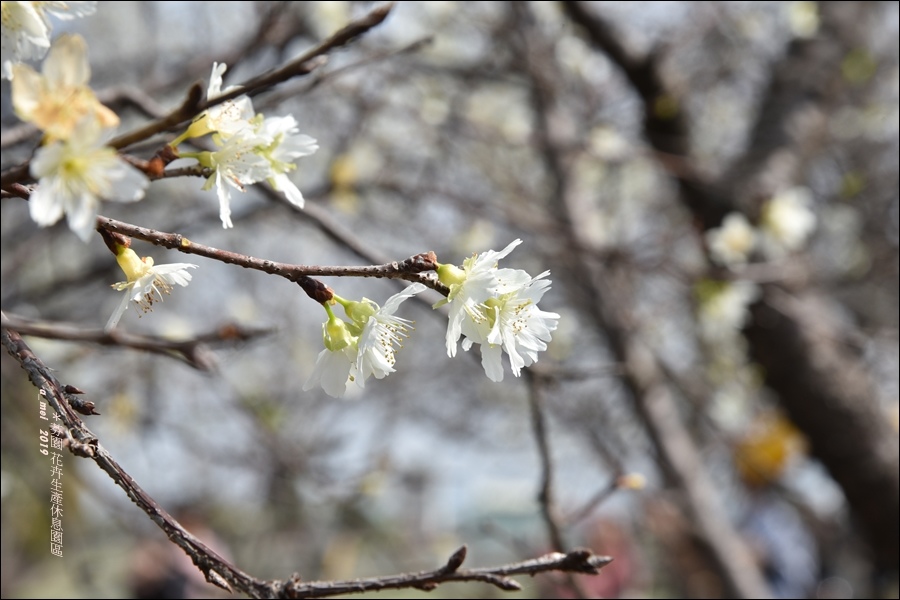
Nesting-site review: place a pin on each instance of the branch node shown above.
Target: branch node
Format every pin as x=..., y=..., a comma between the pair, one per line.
x=426, y=261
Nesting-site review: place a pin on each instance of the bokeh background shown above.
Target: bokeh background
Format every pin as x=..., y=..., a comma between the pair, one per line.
x=720, y=417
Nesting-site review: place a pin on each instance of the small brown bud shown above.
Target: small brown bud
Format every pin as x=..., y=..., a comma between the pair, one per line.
x=85, y=407
x=316, y=290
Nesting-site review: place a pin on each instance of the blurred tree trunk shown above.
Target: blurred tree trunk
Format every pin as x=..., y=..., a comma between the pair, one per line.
x=605, y=293
x=824, y=388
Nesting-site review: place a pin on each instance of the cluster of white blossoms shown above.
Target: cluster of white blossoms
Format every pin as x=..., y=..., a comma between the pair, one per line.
x=250, y=148
x=26, y=28
x=74, y=168
x=786, y=222
x=495, y=308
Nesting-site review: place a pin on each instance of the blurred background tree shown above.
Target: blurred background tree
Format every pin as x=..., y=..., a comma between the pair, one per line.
x=714, y=188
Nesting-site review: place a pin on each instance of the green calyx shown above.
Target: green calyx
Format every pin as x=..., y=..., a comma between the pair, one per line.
x=450, y=275
x=336, y=333
x=359, y=312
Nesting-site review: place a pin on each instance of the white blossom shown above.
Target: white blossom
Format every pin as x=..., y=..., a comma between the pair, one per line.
x=724, y=308
x=787, y=222
x=58, y=98
x=518, y=327
x=381, y=335
x=250, y=148
x=336, y=365
x=226, y=118
x=366, y=346
x=732, y=243
x=334, y=371
x=235, y=164
x=470, y=287
x=285, y=145
x=145, y=282
x=497, y=308
x=75, y=174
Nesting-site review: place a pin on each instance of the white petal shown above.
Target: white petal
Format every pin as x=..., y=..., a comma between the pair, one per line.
x=215, y=80
x=175, y=273
x=45, y=207
x=125, y=183
x=224, y=201
x=67, y=62
x=81, y=214
x=282, y=183
x=491, y=361
x=397, y=299
x=120, y=310
x=294, y=146
x=488, y=260
x=454, y=327
x=47, y=159
x=509, y=280
x=333, y=371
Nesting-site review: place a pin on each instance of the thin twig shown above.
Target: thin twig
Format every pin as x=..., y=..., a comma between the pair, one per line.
x=194, y=351
x=577, y=561
x=410, y=269
x=539, y=428
x=601, y=496
x=327, y=76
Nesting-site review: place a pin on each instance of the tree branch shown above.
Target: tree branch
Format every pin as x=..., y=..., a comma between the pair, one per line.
x=82, y=442
x=539, y=429
x=577, y=561
x=304, y=64
x=218, y=571
x=194, y=351
x=411, y=269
